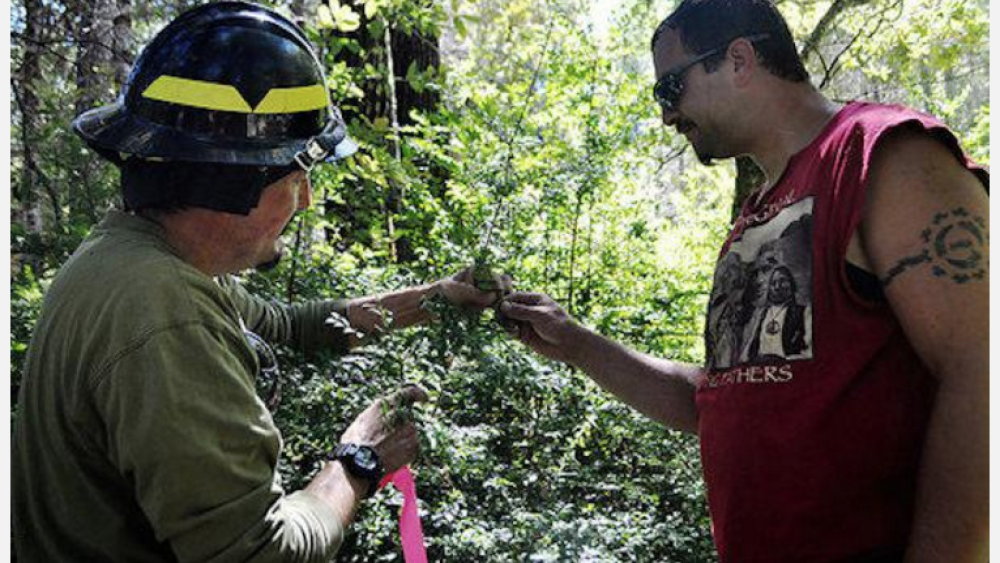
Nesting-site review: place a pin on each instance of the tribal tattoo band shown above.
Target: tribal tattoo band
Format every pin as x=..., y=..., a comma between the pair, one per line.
x=954, y=246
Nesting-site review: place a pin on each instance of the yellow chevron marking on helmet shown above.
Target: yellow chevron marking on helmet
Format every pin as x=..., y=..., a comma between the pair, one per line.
x=292, y=100
x=196, y=93
x=224, y=97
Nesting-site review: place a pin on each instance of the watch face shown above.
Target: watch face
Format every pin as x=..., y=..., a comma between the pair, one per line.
x=365, y=458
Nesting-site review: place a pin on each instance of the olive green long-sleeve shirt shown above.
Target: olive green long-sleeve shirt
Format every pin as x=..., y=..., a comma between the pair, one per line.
x=139, y=435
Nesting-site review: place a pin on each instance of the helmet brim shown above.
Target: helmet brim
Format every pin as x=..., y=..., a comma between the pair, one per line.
x=118, y=134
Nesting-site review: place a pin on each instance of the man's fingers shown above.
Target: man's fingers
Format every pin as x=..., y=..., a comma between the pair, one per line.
x=407, y=431
x=484, y=299
x=465, y=276
x=402, y=432
x=406, y=396
x=467, y=294
x=520, y=312
x=525, y=333
x=407, y=452
x=506, y=284
x=526, y=298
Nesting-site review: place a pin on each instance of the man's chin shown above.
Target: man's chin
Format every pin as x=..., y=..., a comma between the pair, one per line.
x=709, y=155
x=270, y=264
x=706, y=158
x=278, y=252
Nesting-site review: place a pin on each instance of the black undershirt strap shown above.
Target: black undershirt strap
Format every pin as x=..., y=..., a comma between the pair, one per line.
x=865, y=284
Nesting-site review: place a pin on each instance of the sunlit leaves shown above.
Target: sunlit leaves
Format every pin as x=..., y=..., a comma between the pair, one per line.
x=338, y=16
x=929, y=54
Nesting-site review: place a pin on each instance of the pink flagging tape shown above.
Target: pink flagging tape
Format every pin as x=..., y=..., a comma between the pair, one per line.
x=410, y=531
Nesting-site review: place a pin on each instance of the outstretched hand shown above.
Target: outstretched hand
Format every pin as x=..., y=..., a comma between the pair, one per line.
x=462, y=290
x=387, y=427
x=543, y=325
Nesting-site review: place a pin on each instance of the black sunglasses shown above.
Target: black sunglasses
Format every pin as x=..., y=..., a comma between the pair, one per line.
x=670, y=87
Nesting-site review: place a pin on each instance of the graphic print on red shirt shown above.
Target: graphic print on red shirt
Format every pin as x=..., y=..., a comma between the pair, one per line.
x=761, y=303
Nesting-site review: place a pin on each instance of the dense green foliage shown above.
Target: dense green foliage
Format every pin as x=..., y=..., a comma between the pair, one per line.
x=546, y=138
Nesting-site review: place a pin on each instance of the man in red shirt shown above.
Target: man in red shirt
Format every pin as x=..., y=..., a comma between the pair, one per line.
x=843, y=410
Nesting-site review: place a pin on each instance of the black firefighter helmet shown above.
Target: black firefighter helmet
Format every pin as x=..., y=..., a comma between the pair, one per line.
x=226, y=83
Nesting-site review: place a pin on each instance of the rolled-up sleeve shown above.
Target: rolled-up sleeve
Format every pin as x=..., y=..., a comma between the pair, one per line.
x=311, y=326
x=186, y=431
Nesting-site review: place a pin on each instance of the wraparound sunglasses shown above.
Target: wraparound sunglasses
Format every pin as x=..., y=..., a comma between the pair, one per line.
x=669, y=89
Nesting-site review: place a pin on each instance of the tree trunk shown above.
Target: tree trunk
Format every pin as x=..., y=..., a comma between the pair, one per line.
x=24, y=93
x=104, y=57
x=407, y=49
x=105, y=44
x=392, y=98
x=93, y=34
x=123, y=43
x=29, y=213
x=412, y=48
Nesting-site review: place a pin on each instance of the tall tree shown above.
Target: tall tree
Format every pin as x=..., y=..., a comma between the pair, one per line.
x=28, y=74
x=105, y=46
x=104, y=58
x=398, y=43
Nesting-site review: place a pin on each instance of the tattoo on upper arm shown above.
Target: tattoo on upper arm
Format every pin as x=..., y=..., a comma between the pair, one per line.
x=954, y=246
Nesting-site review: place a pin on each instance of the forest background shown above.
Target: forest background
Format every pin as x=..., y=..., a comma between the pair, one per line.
x=521, y=133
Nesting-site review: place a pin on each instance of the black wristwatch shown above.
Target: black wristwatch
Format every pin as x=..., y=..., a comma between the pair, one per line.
x=361, y=462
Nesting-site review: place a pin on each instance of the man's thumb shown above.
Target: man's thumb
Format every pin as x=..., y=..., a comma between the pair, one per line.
x=520, y=312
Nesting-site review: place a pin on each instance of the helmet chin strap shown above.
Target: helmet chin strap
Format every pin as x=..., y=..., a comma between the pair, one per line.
x=313, y=153
x=332, y=141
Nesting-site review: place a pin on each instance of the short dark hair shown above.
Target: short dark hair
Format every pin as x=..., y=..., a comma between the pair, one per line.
x=787, y=272
x=707, y=24
x=169, y=186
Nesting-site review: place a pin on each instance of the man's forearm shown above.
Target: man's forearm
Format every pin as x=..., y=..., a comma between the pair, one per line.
x=660, y=389
x=952, y=514
x=338, y=490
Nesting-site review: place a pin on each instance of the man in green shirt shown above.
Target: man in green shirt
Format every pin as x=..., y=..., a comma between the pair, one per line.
x=140, y=436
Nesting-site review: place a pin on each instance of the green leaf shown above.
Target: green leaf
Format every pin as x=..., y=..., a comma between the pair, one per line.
x=371, y=8
x=345, y=18
x=414, y=78
x=325, y=17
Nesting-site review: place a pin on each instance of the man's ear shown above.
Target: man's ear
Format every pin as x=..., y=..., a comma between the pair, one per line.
x=744, y=57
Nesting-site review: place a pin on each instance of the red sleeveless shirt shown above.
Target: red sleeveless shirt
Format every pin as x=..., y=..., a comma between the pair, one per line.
x=814, y=409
